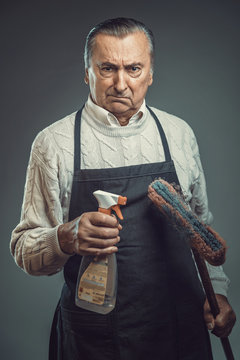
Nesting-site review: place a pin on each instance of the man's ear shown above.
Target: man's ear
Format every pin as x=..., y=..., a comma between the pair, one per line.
x=86, y=78
x=150, y=78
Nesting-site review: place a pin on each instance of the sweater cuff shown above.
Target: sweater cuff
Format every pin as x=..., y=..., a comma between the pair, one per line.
x=220, y=287
x=58, y=257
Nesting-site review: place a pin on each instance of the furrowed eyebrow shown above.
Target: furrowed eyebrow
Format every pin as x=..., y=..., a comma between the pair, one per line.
x=116, y=66
x=134, y=65
x=107, y=64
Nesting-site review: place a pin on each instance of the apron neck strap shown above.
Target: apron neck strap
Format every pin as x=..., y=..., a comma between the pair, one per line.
x=77, y=132
x=162, y=134
x=77, y=137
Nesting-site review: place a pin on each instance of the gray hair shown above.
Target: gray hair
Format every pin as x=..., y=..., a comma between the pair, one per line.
x=119, y=27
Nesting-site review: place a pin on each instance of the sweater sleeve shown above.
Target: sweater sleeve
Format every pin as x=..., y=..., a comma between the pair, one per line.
x=199, y=205
x=34, y=243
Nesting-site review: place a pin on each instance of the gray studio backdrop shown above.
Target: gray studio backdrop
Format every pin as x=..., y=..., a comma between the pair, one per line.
x=196, y=78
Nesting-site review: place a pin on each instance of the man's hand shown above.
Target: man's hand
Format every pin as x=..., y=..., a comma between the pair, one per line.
x=93, y=233
x=225, y=320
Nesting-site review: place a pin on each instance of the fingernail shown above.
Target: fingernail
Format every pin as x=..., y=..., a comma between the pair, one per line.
x=210, y=326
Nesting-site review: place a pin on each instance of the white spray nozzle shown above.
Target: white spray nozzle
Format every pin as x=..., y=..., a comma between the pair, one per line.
x=110, y=201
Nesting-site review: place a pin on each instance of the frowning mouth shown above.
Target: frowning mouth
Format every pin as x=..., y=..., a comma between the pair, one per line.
x=119, y=98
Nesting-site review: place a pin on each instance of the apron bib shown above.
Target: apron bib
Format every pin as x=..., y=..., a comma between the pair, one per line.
x=159, y=307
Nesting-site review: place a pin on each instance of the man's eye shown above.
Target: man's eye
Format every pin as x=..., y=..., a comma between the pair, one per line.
x=107, y=68
x=134, y=71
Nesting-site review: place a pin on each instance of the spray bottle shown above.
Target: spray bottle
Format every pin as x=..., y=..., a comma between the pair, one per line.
x=97, y=278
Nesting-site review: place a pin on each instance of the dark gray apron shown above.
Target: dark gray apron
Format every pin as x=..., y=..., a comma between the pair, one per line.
x=159, y=308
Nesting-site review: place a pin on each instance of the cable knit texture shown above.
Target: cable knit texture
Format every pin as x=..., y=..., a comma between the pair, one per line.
x=104, y=144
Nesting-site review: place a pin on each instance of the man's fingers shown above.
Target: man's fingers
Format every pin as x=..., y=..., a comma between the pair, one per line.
x=208, y=317
x=104, y=233
x=106, y=243
x=93, y=233
x=225, y=320
x=96, y=251
x=222, y=330
x=97, y=233
x=90, y=230
x=100, y=219
x=224, y=324
x=211, y=324
x=98, y=226
x=100, y=243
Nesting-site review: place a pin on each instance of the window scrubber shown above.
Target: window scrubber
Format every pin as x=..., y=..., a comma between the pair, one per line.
x=202, y=237
x=206, y=244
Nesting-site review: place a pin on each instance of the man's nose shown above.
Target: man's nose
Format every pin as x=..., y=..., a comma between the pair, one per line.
x=120, y=81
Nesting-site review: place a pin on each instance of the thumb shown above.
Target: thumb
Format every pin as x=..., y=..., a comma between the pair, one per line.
x=208, y=316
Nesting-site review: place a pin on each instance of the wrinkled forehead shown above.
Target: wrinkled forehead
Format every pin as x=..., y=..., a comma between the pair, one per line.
x=133, y=47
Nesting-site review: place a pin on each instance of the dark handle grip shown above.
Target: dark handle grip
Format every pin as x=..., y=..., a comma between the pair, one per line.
x=203, y=272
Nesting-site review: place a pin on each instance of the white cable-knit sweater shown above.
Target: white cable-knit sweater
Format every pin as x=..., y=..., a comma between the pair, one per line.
x=104, y=144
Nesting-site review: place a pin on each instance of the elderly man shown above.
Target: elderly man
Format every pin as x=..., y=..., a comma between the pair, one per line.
x=118, y=144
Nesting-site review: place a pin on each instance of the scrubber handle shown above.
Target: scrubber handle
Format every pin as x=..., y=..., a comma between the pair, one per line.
x=207, y=285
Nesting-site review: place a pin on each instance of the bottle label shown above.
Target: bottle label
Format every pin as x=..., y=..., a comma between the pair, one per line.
x=93, y=283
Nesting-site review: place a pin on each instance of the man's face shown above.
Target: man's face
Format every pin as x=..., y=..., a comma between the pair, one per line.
x=120, y=73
